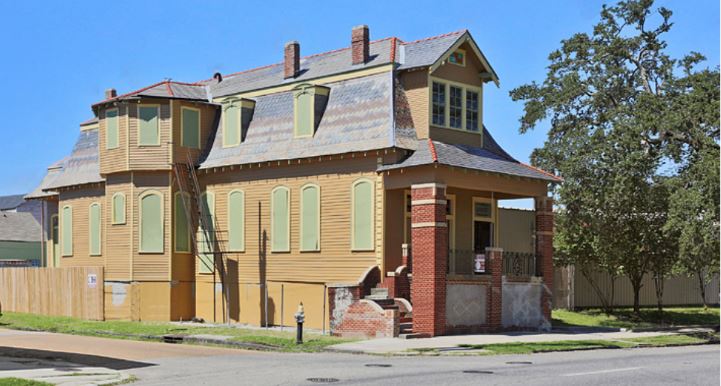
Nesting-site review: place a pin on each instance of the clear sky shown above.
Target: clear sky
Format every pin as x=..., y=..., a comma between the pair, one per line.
x=58, y=57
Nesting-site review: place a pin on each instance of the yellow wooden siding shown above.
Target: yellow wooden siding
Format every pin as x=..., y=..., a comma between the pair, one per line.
x=335, y=262
x=207, y=119
x=80, y=201
x=117, y=236
x=114, y=160
x=415, y=84
x=151, y=266
x=149, y=157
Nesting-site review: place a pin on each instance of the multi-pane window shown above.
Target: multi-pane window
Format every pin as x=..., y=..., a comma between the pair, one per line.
x=439, y=104
x=471, y=110
x=280, y=220
x=236, y=221
x=310, y=218
x=94, y=224
x=456, y=107
x=362, y=216
x=148, y=131
x=112, y=139
x=151, y=223
x=190, y=127
x=458, y=58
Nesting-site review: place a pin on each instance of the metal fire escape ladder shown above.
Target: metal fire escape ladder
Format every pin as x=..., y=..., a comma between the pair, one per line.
x=189, y=187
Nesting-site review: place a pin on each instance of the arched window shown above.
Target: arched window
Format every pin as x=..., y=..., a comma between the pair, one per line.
x=94, y=224
x=151, y=223
x=206, y=233
x=182, y=230
x=236, y=221
x=280, y=220
x=118, y=208
x=66, y=230
x=310, y=218
x=362, y=216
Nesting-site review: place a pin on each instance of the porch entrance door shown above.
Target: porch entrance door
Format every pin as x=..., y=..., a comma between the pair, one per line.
x=56, y=245
x=482, y=239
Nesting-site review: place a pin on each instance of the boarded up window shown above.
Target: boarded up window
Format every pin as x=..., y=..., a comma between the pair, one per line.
x=231, y=125
x=151, y=223
x=362, y=232
x=66, y=231
x=112, y=139
x=206, y=233
x=190, y=128
x=280, y=219
x=236, y=221
x=118, y=215
x=95, y=229
x=148, y=126
x=304, y=115
x=310, y=218
x=182, y=231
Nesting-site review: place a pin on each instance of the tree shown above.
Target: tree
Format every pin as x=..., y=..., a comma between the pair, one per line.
x=619, y=107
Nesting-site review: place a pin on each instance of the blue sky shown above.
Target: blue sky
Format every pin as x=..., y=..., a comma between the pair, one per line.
x=58, y=57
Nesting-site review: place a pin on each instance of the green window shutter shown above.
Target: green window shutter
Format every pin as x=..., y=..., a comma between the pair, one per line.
x=118, y=209
x=95, y=229
x=310, y=219
x=362, y=216
x=236, y=221
x=182, y=231
x=151, y=223
x=149, y=131
x=231, y=125
x=191, y=128
x=304, y=114
x=66, y=231
x=279, y=229
x=206, y=238
x=112, y=139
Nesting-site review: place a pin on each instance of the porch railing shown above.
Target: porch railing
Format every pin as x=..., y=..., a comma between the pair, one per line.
x=463, y=262
x=519, y=264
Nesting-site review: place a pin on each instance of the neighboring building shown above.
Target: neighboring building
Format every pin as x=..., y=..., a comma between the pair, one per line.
x=306, y=180
x=20, y=236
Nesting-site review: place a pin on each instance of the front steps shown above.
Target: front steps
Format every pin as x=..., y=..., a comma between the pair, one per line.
x=380, y=297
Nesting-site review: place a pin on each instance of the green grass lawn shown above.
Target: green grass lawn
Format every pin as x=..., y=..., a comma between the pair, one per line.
x=649, y=317
x=277, y=340
x=569, y=345
x=21, y=382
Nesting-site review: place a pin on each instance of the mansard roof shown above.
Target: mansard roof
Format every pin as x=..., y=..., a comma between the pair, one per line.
x=82, y=166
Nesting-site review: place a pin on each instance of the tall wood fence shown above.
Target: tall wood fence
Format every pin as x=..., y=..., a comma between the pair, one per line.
x=573, y=290
x=76, y=292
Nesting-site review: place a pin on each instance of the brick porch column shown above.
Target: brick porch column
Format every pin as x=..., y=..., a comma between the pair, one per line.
x=495, y=293
x=544, y=251
x=429, y=243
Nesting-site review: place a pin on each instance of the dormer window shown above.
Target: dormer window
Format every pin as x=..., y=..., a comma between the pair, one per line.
x=237, y=114
x=309, y=102
x=458, y=57
x=455, y=105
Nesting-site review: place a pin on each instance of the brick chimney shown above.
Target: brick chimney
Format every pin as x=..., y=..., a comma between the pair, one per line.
x=292, y=59
x=110, y=93
x=359, y=44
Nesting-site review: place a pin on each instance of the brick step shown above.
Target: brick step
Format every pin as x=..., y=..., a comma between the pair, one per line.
x=406, y=319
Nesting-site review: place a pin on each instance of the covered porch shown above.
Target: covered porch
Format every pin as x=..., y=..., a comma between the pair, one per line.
x=465, y=264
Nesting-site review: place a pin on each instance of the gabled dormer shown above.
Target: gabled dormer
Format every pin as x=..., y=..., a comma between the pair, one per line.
x=309, y=103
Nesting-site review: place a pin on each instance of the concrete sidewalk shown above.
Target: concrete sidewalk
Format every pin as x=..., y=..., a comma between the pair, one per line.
x=405, y=346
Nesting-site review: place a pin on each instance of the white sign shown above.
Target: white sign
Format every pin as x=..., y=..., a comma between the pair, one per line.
x=479, y=264
x=92, y=280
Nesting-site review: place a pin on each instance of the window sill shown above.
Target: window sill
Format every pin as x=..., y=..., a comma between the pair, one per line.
x=309, y=250
x=118, y=223
x=282, y=251
x=151, y=252
x=455, y=129
x=154, y=145
x=362, y=250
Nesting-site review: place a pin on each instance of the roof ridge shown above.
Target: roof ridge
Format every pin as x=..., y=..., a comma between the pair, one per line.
x=302, y=57
x=432, y=148
x=460, y=31
x=170, y=90
x=132, y=92
x=541, y=171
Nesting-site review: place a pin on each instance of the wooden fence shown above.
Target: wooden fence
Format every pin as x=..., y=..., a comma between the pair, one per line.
x=76, y=292
x=572, y=290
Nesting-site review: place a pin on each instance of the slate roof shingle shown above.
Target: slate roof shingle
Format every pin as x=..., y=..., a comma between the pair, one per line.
x=82, y=166
x=19, y=227
x=11, y=202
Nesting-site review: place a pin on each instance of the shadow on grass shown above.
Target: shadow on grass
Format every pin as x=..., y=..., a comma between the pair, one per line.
x=647, y=317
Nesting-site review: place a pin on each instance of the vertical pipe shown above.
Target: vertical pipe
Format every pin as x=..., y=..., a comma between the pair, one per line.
x=282, y=306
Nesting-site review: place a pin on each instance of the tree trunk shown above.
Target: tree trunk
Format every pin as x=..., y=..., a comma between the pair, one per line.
x=702, y=287
x=636, y=285
x=658, y=281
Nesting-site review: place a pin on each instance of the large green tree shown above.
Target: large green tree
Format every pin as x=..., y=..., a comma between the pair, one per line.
x=620, y=108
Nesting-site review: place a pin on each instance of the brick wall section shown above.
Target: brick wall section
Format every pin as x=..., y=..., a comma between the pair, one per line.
x=335, y=310
x=544, y=250
x=495, y=295
x=429, y=240
x=365, y=319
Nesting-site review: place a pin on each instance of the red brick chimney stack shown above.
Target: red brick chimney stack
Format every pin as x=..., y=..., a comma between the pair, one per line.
x=292, y=59
x=359, y=44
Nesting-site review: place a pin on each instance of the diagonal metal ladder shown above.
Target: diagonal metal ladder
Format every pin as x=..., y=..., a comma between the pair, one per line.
x=210, y=243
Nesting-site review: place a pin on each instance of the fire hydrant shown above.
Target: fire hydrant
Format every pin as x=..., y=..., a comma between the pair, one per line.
x=299, y=319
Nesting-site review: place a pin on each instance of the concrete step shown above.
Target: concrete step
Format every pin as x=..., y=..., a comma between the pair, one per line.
x=411, y=336
x=379, y=292
x=379, y=298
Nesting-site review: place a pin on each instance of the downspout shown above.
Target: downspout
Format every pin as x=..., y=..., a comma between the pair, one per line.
x=43, y=217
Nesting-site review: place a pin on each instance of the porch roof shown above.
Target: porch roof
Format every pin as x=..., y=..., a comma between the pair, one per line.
x=489, y=158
